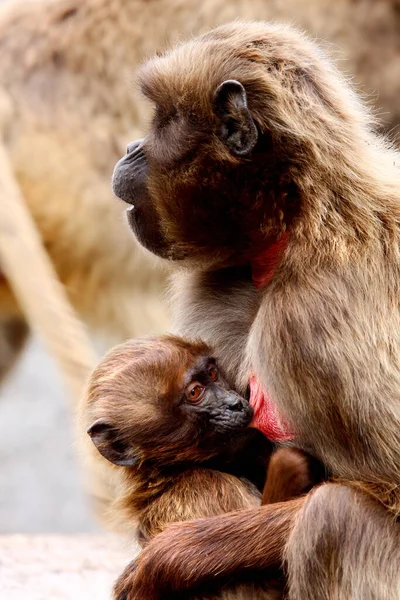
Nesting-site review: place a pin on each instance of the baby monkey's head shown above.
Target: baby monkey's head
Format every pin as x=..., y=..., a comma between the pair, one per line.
x=164, y=400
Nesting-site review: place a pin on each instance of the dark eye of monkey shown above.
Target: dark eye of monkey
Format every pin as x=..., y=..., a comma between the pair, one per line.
x=213, y=373
x=195, y=392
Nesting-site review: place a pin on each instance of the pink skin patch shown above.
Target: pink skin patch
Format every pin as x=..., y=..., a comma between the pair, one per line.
x=266, y=418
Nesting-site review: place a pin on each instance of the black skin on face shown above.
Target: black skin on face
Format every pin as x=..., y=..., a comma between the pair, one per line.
x=208, y=395
x=130, y=184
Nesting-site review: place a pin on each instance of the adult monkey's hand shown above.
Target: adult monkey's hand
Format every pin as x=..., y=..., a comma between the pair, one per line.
x=206, y=551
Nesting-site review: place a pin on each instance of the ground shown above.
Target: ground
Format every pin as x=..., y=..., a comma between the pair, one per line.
x=60, y=567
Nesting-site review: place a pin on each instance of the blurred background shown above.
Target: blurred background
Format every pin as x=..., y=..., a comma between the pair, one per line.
x=68, y=107
x=41, y=484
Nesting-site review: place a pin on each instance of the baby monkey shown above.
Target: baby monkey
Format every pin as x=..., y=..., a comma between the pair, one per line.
x=162, y=411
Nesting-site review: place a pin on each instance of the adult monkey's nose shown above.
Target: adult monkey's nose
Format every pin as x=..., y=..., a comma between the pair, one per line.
x=132, y=146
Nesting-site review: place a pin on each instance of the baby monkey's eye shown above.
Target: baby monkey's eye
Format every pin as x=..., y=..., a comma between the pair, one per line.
x=195, y=392
x=213, y=373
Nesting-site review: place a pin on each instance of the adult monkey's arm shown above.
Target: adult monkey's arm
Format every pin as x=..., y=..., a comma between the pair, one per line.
x=193, y=553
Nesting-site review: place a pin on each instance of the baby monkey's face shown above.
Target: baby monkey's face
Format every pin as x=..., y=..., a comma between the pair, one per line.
x=208, y=403
x=163, y=400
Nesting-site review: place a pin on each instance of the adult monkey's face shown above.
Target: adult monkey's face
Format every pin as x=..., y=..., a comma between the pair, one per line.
x=180, y=189
x=212, y=180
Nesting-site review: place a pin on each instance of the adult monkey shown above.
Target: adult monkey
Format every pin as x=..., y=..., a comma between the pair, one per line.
x=261, y=155
x=60, y=126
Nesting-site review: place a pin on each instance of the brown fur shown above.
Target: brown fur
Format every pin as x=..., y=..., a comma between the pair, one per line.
x=67, y=109
x=290, y=473
x=232, y=550
x=158, y=500
x=324, y=342
x=176, y=479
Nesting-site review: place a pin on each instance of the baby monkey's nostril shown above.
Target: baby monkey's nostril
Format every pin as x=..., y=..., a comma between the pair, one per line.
x=236, y=406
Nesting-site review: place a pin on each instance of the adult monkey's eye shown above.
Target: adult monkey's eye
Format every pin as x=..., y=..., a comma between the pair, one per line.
x=195, y=392
x=213, y=373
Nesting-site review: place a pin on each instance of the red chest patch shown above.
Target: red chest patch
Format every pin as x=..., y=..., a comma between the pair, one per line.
x=266, y=418
x=263, y=267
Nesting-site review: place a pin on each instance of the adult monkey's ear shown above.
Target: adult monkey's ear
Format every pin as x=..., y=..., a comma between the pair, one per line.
x=108, y=442
x=238, y=130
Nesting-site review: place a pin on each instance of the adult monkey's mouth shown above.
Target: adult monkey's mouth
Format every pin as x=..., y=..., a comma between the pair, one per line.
x=129, y=183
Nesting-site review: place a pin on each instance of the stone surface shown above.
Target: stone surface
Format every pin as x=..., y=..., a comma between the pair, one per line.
x=80, y=567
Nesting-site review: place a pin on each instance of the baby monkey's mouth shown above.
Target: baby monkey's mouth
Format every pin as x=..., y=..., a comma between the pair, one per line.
x=225, y=420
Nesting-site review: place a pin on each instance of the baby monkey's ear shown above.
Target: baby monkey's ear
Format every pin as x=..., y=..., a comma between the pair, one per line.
x=110, y=445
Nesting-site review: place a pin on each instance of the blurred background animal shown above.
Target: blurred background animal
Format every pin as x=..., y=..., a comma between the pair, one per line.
x=68, y=107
